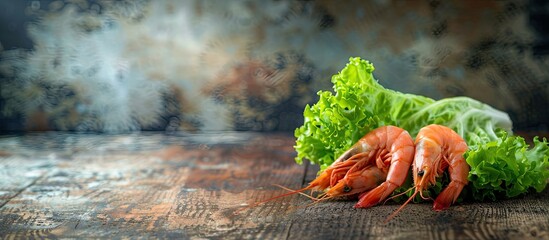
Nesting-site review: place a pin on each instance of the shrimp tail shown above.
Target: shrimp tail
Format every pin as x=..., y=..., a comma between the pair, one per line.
x=376, y=195
x=448, y=196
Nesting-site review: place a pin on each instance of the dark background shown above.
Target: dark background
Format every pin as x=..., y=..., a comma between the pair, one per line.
x=253, y=66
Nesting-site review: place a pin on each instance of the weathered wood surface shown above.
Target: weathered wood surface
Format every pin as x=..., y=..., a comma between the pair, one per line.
x=189, y=186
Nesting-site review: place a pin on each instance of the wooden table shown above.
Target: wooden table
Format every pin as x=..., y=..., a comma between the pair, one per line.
x=154, y=185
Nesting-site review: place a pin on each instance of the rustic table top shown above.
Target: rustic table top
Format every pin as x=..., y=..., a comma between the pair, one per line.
x=154, y=185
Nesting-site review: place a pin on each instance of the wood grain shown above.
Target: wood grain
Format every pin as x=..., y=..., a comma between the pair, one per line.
x=151, y=185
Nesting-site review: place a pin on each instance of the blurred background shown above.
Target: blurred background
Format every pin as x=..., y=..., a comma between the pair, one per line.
x=194, y=66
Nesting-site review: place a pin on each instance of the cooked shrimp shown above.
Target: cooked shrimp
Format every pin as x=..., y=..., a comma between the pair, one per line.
x=358, y=182
x=439, y=148
x=393, y=153
x=385, y=150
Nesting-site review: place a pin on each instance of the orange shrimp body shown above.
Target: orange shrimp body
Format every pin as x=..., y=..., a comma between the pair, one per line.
x=358, y=182
x=333, y=173
x=439, y=148
x=381, y=148
x=390, y=149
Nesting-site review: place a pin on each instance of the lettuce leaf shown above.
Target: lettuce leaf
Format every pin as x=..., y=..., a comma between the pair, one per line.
x=507, y=167
x=360, y=104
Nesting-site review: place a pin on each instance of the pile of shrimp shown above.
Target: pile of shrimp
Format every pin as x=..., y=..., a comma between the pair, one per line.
x=379, y=163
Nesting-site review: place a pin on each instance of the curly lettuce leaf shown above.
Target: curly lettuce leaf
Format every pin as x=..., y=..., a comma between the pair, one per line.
x=360, y=104
x=507, y=167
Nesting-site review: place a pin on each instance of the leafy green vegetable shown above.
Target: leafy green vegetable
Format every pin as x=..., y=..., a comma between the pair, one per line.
x=507, y=168
x=360, y=104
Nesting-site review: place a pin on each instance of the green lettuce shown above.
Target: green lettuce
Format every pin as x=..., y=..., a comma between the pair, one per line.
x=360, y=104
x=507, y=167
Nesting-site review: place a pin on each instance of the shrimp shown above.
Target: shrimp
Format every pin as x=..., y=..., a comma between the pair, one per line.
x=438, y=148
x=385, y=151
x=393, y=153
x=357, y=182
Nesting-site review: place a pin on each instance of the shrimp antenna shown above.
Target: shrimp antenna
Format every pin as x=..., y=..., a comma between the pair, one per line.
x=407, y=201
x=324, y=197
x=401, y=207
x=293, y=190
x=398, y=195
x=321, y=198
x=425, y=198
x=271, y=199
